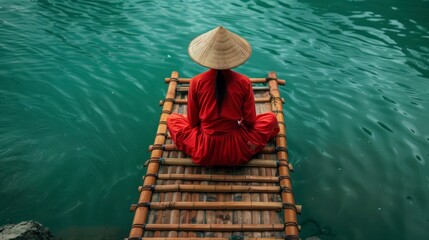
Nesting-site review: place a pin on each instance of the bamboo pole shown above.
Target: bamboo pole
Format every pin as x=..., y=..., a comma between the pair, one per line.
x=186, y=197
x=175, y=214
x=252, y=80
x=211, y=188
x=173, y=147
x=200, y=214
x=259, y=215
x=189, y=162
x=145, y=196
x=220, y=215
x=290, y=218
x=214, y=227
x=246, y=214
x=255, y=88
x=185, y=101
x=228, y=213
x=161, y=199
x=211, y=238
x=267, y=206
x=218, y=178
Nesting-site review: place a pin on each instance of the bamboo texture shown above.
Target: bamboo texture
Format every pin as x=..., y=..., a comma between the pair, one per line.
x=189, y=162
x=173, y=147
x=218, y=178
x=285, y=183
x=181, y=200
x=185, y=101
x=145, y=196
x=252, y=80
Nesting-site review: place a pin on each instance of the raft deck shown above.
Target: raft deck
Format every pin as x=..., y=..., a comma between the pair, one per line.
x=181, y=200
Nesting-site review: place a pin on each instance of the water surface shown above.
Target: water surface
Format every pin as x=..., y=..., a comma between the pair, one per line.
x=80, y=83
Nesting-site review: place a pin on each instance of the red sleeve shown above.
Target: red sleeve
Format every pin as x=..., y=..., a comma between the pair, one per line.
x=193, y=105
x=249, y=110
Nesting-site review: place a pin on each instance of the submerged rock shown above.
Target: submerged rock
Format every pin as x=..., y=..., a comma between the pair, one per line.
x=28, y=230
x=313, y=238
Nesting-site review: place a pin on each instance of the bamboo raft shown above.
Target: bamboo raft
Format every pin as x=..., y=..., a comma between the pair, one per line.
x=181, y=200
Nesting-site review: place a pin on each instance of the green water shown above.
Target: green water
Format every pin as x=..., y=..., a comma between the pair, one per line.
x=80, y=83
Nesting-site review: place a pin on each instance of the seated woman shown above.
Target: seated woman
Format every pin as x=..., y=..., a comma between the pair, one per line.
x=221, y=126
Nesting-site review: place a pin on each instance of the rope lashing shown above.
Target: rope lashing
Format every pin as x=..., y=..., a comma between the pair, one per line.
x=292, y=237
x=170, y=100
x=148, y=188
x=142, y=226
x=163, y=122
x=267, y=79
x=282, y=163
x=289, y=206
x=286, y=189
x=284, y=177
x=144, y=204
x=281, y=135
x=291, y=224
x=282, y=149
x=167, y=111
x=158, y=147
x=174, y=79
x=155, y=175
x=162, y=134
x=154, y=160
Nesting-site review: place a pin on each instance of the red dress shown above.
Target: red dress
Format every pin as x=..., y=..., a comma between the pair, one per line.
x=220, y=139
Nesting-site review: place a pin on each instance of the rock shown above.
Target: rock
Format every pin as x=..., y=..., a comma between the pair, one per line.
x=313, y=238
x=28, y=230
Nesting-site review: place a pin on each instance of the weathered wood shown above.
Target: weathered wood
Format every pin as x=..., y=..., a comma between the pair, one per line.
x=210, y=238
x=218, y=178
x=210, y=188
x=215, y=227
x=215, y=206
x=173, y=147
x=190, y=201
x=252, y=80
x=285, y=183
x=189, y=162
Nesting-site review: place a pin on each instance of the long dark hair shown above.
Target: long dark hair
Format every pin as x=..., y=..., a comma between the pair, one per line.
x=220, y=89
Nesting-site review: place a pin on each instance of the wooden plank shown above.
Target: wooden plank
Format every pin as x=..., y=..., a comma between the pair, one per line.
x=211, y=238
x=189, y=162
x=194, y=202
x=218, y=178
x=173, y=147
x=211, y=188
x=215, y=227
x=287, y=196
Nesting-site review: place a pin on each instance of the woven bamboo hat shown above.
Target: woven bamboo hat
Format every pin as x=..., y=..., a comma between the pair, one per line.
x=219, y=49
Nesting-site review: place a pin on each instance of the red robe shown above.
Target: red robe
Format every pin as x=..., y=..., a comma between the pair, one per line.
x=221, y=139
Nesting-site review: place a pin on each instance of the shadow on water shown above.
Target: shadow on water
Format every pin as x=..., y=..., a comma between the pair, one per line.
x=314, y=229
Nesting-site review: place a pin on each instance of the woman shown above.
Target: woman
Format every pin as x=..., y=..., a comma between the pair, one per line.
x=221, y=126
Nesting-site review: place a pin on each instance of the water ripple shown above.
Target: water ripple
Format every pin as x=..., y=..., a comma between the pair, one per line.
x=80, y=83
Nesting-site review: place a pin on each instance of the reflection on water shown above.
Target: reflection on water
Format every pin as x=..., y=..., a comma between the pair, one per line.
x=80, y=83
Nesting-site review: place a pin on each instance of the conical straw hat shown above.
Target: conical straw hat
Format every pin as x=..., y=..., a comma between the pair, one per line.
x=219, y=49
